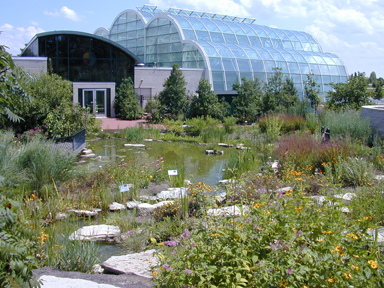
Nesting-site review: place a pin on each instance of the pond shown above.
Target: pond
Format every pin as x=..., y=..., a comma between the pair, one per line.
x=190, y=156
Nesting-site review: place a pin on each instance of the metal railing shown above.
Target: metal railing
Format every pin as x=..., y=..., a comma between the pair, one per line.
x=75, y=143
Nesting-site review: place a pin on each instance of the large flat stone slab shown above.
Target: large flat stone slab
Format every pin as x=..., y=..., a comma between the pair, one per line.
x=227, y=211
x=144, y=209
x=59, y=282
x=380, y=234
x=134, y=145
x=138, y=264
x=172, y=193
x=96, y=233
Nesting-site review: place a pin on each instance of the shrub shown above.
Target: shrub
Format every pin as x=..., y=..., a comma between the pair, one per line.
x=288, y=123
x=171, y=209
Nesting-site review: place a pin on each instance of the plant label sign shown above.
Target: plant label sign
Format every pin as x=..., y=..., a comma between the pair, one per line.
x=172, y=172
x=124, y=188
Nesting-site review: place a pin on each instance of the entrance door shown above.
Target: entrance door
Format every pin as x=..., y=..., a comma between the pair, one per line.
x=95, y=101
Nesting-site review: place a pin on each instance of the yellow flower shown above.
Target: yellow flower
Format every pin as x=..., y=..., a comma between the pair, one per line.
x=154, y=273
x=374, y=264
x=258, y=205
x=339, y=248
x=348, y=275
x=215, y=235
x=320, y=240
x=355, y=267
x=330, y=280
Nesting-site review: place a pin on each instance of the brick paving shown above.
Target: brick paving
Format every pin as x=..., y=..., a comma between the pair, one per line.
x=117, y=124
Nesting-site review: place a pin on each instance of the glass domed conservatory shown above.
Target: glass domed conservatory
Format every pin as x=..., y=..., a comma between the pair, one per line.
x=227, y=48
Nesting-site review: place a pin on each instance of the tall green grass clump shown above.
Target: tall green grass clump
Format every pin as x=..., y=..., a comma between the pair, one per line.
x=346, y=124
x=136, y=134
x=242, y=161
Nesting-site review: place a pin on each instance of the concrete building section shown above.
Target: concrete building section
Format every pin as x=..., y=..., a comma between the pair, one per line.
x=32, y=65
x=149, y=81
x=375, y=113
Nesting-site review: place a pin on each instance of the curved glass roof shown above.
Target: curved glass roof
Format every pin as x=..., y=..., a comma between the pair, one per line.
x=229, y=47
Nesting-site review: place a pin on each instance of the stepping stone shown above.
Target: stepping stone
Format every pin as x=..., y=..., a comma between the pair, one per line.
x=138, y=264
x=134, y=145
x=55, y=282
x=116, y=206
x=227, y=211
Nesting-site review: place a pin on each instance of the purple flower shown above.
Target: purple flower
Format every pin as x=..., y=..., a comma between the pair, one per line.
x=254, y=236
x=172, y=253
x=188, y=271
x=167, y=267
x=289, y=271
x=273, y=247
x=249, y=219
x=170, y=243
x=186, y=234
x=193, y=244
x=129, y=232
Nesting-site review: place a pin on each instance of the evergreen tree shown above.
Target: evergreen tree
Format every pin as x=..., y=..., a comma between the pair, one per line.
x=206, y=103
x=173, y=99
x=247, y=104
x=379, y=92
x=126, y=102
x=372, y=78
x=312, y=91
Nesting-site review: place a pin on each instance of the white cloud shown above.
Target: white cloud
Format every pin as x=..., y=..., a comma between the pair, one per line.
x=64, y=12
x=16, y=38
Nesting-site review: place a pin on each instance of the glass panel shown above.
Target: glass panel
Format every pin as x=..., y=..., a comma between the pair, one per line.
x=246, y=75
x=122, y=18
x=131, y=35
x=342, y=71
x=184, y=24
x=319, y=59
x=176, y=57
x=189, y=34
x=151, y=40
x=230, y=64
x=333, y=69
x=324, y=69
x=267, y=43
x=230, y=38
x=269, y=66
x=210, y=25
x=314, y=68
x=164, y=39
x=218, y=76
x=197, y=24
x=100, y=102
x=216, y=63
x=223, y=50
x=249, y=31
x=164, y=30
x=297, y=45
x=305, y=69
x=176, y=47
x=238, y=52
x=270, y=33
x=217, y=37
x=257, y=66
x=287, y=44
x=276, y=56
x=259, y=31
x=244, y=65
x=306, y=46
x=163, y=48
x=163, y=21
x=203, y=36
x=252, y=54
x=88, y=100
x=236, y=28
x=327, y=79
x=131, y=43
x=283, y=66
x=209, y=50
x=301, y=37
x=232, y=78
x=328, y=60
x=152, y=31
x=131, y=26
x=243, y=40
x=223, y=27
x=309, y=58
x=255, y=41
x=264, y=54
x=260, y=76
x=281, y=34
x=315, y=48
x=174, y=38
x=278, y=44
x=294, y=67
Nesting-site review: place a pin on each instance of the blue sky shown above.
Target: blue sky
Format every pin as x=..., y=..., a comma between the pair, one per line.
x=351, y=29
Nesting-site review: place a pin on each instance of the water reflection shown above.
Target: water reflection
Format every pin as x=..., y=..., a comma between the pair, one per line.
x=198, y=166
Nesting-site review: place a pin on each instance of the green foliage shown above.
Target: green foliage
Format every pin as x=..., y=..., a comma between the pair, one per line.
x=346, y=124
x=229, y=124
x=126, y=101
x=247, y=104
x=288, y=123
x=206, y=103
x=18, y=252
x=153, y=110
x=312, y=91
x=287, y=241
x=171, y=209
x=242, y=161
x=13, y=83
x=67, y=255
x=279, y=93
x=352, y=94
x=173, y=99
x=136, y=134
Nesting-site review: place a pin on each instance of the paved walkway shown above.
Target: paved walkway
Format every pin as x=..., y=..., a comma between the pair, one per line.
x=116, y=124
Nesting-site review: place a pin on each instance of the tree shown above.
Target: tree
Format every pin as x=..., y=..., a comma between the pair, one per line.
x=247, y=103
x=126, y=101
x=206, y=103
x=312, y=91
x=173, y=99
x=379, y=92
x=12, y=83
x=279, y=94
x=372, y=77
x=352, y=94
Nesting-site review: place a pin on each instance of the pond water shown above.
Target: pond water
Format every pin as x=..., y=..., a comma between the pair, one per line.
x=191, y=156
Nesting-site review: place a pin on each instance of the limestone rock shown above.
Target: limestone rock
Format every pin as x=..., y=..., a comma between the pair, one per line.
x=55, y=282
x=138, y=263
x=88, y=155
x=284, y=190
x=148, y=198
x=380, y=234
x=148, y=140
x=86, y=151
x=134, y=145
x=86, y=213
x=227, y=211
x=132, y=204
x=172, y=193
x=116, y=206
x=96, y=233
x=144, y=209
x=61, y=216
x=346, y=196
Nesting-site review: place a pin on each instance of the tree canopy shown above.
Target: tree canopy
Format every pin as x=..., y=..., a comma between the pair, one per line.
x=173, y=99
x=126, y=101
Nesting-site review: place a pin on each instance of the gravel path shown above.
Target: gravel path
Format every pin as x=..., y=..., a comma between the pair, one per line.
x=65, y=279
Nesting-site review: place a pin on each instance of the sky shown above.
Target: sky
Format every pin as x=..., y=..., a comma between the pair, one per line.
x=351, y=29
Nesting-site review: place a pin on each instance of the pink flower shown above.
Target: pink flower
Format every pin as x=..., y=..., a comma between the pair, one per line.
x=188, y=271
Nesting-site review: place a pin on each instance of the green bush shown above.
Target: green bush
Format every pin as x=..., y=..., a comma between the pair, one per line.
x=288, y=123
x=171, y=209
